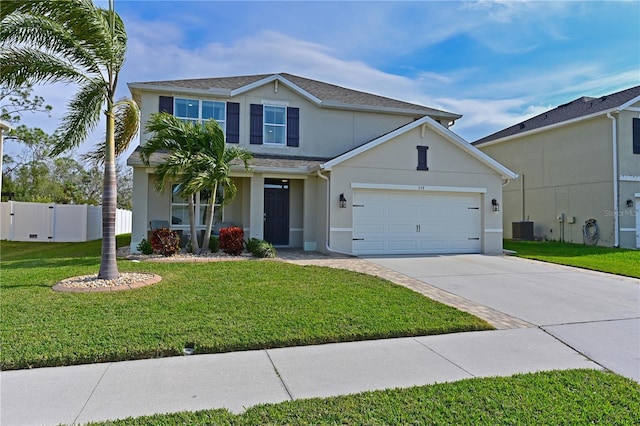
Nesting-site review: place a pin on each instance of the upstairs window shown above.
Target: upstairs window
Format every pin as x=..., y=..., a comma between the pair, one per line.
x=275, y=125
x=197, y=110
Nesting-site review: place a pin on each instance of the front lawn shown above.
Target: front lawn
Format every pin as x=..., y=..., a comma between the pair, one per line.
x=218, y=307
x=574, y=397
x=603, y=259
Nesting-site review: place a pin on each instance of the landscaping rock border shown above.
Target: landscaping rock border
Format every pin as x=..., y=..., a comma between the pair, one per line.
x=93, y=284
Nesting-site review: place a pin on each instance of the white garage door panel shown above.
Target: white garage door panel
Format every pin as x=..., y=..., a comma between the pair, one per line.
x=405, y=222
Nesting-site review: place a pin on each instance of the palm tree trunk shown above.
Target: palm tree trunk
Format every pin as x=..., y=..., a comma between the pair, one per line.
x=207, y=232
x=108, y=264
x=192, y=225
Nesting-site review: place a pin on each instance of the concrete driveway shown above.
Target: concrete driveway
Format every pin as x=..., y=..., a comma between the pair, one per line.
x=596, y=314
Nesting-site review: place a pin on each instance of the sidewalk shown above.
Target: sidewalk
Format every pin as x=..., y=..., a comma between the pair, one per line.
x=238, y=380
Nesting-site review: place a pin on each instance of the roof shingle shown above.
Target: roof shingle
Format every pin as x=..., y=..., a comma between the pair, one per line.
x=324, y=91
x=577, y=108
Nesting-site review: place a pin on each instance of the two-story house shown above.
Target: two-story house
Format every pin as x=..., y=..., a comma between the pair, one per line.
x=333, y=168
x=579, y=171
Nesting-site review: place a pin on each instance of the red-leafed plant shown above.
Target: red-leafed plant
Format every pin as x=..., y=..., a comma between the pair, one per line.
x=165, y=241
x=232, y=240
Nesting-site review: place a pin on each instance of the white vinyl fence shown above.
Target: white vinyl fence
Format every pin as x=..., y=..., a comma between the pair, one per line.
x=56, y=222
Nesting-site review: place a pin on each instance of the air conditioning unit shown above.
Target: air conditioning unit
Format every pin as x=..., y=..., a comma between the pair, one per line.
x=522, y=231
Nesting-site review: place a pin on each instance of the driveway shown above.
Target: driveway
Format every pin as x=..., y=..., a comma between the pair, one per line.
x=597, y=314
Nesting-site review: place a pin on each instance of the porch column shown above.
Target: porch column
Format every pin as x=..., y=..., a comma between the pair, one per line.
x=140, y=201
x=310, y=218
x=256, y=215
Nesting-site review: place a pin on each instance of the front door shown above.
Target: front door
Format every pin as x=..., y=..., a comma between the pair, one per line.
x=276, y=213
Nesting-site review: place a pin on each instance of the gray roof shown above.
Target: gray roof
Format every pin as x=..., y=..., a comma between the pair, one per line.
x=327, y=93
x=581, y=107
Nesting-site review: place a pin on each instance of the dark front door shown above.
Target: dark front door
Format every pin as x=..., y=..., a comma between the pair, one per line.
x=276, y=215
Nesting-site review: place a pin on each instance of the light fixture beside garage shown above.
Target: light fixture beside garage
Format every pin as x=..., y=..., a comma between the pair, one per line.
x=343, y=201
x=495, y=206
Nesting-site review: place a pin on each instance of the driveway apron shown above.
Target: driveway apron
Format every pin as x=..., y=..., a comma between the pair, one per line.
x=595, y=313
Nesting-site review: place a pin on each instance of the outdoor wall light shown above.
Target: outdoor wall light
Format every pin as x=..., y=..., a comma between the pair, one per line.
x=495, y=205
x=343, y=201
x=629, y=202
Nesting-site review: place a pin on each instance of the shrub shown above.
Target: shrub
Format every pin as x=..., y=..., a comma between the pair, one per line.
x=145, y=247
x=165, y=241
x=252, y=244
x=260, y=248
x=214, y=244
x=232, y=240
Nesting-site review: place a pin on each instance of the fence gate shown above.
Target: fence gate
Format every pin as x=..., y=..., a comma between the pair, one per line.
x=56, y=222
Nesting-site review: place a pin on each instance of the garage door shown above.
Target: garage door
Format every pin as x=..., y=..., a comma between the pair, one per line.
x=410, y=222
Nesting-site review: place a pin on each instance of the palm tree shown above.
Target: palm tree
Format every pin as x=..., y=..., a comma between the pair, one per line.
x=75, y=42
x=197, y=159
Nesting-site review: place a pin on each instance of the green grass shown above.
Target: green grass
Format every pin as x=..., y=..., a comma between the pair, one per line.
x=575, y=397
x=603, y=259
x=219, y=307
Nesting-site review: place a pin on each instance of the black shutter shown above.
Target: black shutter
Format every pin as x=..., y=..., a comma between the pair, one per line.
x=636, y=135
x=166, y=104
x=256, y=125
x=233, y=122
x=293, y=126
x=422, y=157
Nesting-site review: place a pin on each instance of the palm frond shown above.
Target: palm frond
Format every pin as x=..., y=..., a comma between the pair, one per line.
x=127, y=123
x=42, y=34
x=82, y=116
x=22, y=65
x=83, y=21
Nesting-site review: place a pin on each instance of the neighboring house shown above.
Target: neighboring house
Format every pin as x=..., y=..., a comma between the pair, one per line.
x=579, y=167
x=333, y=168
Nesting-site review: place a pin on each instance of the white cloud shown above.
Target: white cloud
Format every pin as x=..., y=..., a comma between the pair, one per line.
x=348, y=49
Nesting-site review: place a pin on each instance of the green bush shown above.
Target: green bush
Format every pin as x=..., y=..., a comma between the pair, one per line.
x=260, y=248
x=145, y=247
x=252, y=244
x=214, y=244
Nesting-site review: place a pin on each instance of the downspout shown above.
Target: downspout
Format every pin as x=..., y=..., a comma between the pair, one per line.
x=327, y=245
x=616, y=223
x=522, y=203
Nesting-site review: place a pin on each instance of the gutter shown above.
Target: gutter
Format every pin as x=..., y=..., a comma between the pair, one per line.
x=616, y=220
x=327, y=245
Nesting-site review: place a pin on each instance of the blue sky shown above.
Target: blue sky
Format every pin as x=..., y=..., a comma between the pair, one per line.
x=494, y=62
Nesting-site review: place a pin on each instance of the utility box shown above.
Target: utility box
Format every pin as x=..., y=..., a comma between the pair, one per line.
x=522, y=231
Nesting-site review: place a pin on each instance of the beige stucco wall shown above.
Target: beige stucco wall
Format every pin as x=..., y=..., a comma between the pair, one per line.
x=324, y=133
x=629, y=185
x=569, y=170
x=394, y=163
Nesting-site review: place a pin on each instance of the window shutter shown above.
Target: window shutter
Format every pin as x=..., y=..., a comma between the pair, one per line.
x=422, y=157
x=256, y=125
x=636, y=135
x=233, y=122
x=293, y=126
x=166, y=104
